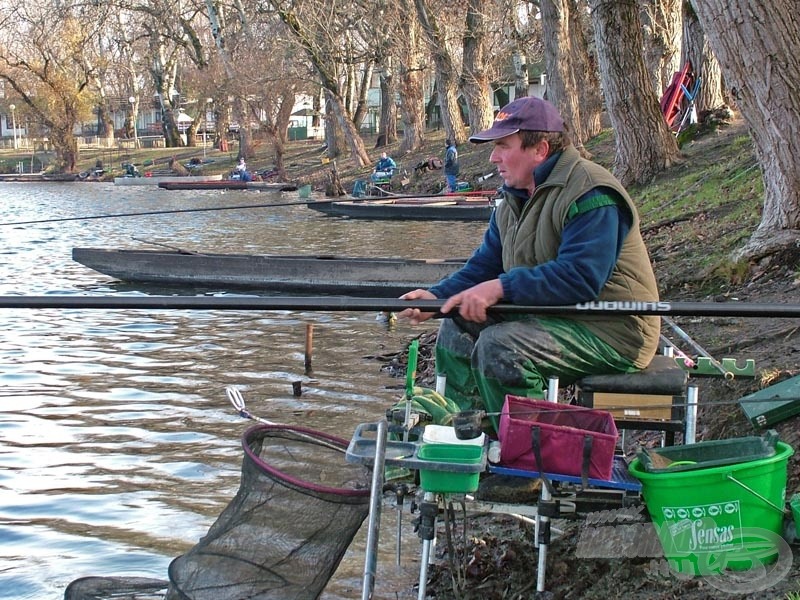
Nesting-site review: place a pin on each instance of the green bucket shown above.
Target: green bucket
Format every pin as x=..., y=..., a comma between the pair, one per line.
x=717, y=518
x=458, y=480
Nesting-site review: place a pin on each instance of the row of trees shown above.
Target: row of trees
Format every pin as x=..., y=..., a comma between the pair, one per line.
x=65, y=62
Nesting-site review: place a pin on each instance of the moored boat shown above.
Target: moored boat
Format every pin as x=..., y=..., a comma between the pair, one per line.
x=449, y=208
x=164, y=178
x=361, y=276
x=228, y=184
x=39, y=177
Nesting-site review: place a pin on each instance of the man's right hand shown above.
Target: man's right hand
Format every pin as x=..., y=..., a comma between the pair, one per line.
x=414, y=315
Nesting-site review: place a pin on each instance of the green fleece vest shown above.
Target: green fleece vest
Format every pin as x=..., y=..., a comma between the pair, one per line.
x=531, y=234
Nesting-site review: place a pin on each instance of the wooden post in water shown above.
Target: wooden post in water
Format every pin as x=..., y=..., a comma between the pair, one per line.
x=309, y=347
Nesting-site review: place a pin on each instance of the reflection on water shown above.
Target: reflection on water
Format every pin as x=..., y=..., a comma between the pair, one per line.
x=119, y=447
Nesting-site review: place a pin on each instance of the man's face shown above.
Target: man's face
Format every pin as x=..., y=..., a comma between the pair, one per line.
x=516, y=164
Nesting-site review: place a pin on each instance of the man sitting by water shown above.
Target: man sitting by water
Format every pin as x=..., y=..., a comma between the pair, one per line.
x=241, y=172
x=384, y=169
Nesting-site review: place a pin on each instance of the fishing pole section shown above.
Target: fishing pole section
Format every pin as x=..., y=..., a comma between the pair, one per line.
x=354, y=304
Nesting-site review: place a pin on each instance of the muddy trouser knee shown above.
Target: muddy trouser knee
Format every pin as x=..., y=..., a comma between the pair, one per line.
x=485, y=361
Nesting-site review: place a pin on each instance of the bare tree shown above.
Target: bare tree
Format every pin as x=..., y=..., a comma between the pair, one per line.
x=584, y=64
x=662, y=32
x=475, y=84
x=440, y=43
x=388, y=29
x=412, y=67
x=388, y=123
x=227, y=39
x=156, y=38
x=517, y=22
x=571, y=84
x=324, y=31
x=710, y=95
x=277, y=74
x=758, y=48
x=644, y=144
x=46, y=70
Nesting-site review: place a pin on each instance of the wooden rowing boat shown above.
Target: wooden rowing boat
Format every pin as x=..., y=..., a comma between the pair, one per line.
x=449, y=208
x=164, y=178
x=228, y=184
x=39, y=177
x=357, y=276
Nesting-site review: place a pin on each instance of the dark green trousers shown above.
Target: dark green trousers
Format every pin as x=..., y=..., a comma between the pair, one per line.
x=485, y=361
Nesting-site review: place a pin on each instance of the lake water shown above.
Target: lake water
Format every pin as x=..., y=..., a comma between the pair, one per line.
x=118, y=445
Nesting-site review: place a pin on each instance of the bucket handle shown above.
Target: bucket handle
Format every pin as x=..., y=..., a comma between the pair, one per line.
x=757, y=495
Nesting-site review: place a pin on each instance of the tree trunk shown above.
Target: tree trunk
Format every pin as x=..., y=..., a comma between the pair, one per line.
x=348, y=129
x=410, y=88
x=358, y=109
x=105, y=125
x=566, y=58
x=242, y=116
x=521, y=80
x=278, y=126
x=66, y=148
x=661, y=20
x=388, y=123
x=710, y=95
x=474, y=81
x=758, y=48
x=644, y=144
x=585, y=69
x=332, y=137
x=446, y=82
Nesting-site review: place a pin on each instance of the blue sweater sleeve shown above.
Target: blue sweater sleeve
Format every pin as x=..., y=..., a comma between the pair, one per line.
x=485, y=263
x=590, y=246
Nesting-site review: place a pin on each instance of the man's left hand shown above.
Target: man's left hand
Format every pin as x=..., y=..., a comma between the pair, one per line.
x=472, y=303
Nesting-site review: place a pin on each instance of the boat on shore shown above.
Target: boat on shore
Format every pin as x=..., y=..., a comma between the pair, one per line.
x=441, y=208
x=156, y=180
x=316, y=274
x=228, y=184
x=39, y=177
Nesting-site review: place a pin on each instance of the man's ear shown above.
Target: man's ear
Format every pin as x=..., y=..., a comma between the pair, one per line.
x=542, y=149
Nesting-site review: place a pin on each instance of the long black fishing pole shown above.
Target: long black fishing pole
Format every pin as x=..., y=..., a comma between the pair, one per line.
x=162, y=212
x=353, y=304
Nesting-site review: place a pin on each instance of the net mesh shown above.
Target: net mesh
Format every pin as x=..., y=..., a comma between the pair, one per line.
x=298, y=508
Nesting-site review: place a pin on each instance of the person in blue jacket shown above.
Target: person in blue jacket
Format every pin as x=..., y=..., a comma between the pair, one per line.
x=566, y=232
x=384, y=168
x=451, y=166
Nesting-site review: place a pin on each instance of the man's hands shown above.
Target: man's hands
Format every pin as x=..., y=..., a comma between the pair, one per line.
x=415, y=315
x=472, y=303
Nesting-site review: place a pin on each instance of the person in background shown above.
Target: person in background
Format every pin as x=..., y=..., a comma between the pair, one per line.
x=241, y=170
x=451, y=167
x=385, y=163
x=384, y=168
x=566, y=232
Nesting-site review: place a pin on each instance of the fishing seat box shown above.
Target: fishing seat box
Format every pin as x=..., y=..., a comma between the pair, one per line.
x=650, y=399
x=572, y=440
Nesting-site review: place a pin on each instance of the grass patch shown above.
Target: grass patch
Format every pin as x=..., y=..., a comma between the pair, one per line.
x=702, y=210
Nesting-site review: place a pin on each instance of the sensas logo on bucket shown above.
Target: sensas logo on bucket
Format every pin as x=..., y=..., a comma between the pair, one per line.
x=704, y=528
